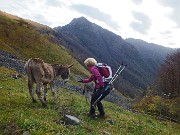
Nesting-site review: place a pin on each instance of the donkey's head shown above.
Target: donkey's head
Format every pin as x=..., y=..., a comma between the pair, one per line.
x=63, y=71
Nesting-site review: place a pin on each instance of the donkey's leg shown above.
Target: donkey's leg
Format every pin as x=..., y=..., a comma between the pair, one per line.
x=53, y=92
x=89, y=97
x=39, y=90
x=45, y=91
x=31, y=90
x=86, y=97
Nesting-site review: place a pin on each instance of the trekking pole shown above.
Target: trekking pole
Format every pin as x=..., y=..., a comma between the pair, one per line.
x=115, y=73
x=118, y=72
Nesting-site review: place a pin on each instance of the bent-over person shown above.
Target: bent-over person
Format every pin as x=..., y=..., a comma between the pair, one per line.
x=99, y=92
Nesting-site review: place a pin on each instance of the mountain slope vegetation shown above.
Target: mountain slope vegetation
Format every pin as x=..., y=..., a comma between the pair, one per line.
x=19, y=115
x=163, y=98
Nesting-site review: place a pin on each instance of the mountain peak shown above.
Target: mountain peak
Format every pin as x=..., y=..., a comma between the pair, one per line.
x=80, y=21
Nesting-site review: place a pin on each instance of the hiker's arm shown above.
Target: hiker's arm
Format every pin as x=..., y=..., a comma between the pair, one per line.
x=91, y=78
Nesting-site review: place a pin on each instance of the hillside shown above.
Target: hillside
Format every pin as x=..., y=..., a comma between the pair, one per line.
x=86, y=39
x=153, y=54
x=19, y=115
x=24, y=40
x=26, y=22
x=150, y=50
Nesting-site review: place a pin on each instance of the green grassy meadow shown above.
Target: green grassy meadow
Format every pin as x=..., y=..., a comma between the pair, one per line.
x=18, y=114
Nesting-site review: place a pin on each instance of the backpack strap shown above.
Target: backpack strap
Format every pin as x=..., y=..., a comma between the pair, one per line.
x=99, y=66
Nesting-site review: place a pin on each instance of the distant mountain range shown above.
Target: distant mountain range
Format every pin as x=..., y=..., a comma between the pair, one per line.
x=85, y=39
x=152, y=54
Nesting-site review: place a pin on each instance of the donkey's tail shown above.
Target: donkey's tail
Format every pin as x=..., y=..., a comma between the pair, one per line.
x=28, y=70
x=26, y=67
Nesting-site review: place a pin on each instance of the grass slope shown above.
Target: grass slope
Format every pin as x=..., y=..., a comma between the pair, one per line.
x=22, y=39
x=18, y=114
x=31, y=23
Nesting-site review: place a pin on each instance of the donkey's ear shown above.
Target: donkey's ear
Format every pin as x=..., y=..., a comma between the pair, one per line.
x=69, y=66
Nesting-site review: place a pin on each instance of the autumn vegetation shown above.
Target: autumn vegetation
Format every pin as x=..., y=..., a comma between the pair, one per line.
x=163, y=100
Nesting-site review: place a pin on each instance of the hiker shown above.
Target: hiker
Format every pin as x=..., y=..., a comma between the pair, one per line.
x=99, y=92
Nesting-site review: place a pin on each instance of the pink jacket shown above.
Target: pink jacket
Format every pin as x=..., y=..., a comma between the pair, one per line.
x=95, y=76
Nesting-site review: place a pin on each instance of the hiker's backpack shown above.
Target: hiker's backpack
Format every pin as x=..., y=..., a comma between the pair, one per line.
x=105, y=71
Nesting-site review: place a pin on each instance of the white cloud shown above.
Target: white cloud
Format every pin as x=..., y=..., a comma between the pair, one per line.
x=142, y=23
x=138, y=2
x=96, y=14
x=174, y=14
x=149, y=20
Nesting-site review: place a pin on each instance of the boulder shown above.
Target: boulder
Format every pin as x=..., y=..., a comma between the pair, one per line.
x=71, y=120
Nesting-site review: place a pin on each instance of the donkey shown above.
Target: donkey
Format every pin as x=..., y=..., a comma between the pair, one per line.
x=88, y=90
x=44, y=74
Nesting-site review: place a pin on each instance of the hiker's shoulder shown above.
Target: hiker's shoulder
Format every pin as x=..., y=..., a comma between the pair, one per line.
x=94, y=69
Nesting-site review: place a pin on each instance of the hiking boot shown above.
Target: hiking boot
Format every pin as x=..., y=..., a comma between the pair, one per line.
x=91, y=115
x=102, y=116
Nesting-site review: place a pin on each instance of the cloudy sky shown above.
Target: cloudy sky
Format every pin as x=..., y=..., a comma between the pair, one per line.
x=154, y=21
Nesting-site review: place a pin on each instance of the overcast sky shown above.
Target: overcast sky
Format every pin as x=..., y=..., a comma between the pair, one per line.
x=154, y=21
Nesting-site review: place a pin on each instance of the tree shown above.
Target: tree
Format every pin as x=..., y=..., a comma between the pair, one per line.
x=169, y=76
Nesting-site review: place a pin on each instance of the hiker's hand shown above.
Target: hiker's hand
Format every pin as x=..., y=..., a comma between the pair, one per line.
x=81, y=81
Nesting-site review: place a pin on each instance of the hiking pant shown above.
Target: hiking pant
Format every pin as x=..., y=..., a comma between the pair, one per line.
x=102, y=93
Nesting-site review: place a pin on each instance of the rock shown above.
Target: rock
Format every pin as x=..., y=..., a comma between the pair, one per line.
x=10, y=88
x=71, y=120
x=15, y=76
x=26, y=133
x=105, y=133
x=112, y=122
x=11, y=61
